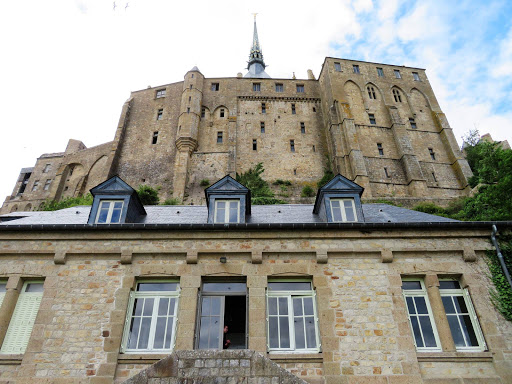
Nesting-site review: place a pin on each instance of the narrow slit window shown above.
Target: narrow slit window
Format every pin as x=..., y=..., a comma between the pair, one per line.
x=386, y=172
x=219, y=137
x=380, y=148
x=292, y=145
x=434, y=177
x=221, y=112
x=254, y=145
x=302, y=127
x=203, y=112
x=263, y=108
x=262, y=126
x=294, y=111
x=155, y=138
x=160, y=114
x=413, y=123
x=432, y=153
x=372, y=119
x=188, y=109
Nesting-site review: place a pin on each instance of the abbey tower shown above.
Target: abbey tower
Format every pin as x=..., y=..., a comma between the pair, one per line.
x=377, y=124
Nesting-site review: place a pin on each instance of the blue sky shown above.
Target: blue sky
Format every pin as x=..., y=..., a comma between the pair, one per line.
x=68, y=65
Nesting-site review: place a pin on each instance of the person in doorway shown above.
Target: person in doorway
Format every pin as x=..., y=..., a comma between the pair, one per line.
x=225, y=341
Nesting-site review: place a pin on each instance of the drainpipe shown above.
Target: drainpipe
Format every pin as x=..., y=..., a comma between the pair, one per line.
x=500, y=256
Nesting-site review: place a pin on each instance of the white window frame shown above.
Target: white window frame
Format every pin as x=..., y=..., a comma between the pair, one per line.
x=14, y=343
x=161, y=93
x=464, y=292
x=110, y=210
x=421, y=293
x=342, y=209
x=157, y=295
x=226, y=210
x=289, y=295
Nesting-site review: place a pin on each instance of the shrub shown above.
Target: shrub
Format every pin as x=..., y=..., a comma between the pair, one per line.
x=148, y=195
x=328, y=175
x=307, y=191
x=282, y=182
x=204, y=183
x=428, y=207
x=53, y=205
x=261, y=194
x=172, y=201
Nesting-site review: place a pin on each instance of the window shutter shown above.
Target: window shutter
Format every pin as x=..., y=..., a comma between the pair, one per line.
x=22, y=322
x=476, y=323
x=127, y=321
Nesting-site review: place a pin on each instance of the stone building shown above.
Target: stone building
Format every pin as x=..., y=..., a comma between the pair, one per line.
x=335, y=292
x=379, y=125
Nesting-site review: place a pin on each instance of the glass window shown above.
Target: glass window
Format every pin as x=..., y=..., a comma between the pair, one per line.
x=279, y=87
x=292, y=145
x=160, y=114
x=47, y=184
x=3, y=284
x=262, y=126
x=47, y=168
x=294, y=111
x=397, y=96
x=23, y=318
x=254, y=144
x=109, y=211
x=160, y=93
x=380, y=72
x=219, y=137
x=227, y=211
x=397, y=74
x=356, y=69
x=380, y=148
x=415, y=76
x=420, y=315
x=300, y=88
x=151, y=320
x=292, y=317
x=36, y=184
x=413, y=123
x=461, y=316
x=263, y=108
x=343, y=210
x=155, y=138
x=302, y=127
x=215, y=87
x=256, y=87
x=371, y=93
x=372, y=119
x=337, y=67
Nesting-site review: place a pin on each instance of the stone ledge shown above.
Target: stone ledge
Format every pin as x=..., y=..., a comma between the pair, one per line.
x=458, y=357
x=296, y=358
x=11, y=359
x=140, y=358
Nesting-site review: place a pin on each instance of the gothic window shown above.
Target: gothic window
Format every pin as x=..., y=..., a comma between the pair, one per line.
x=215, y=87
x=380, y=148
x=397, y=96
x=380, y=72
x=221, y=112
x=397, y=74
x=371, y=93
x=373, y=121
x=155, y=138
x=356, y=69
x=300, y=88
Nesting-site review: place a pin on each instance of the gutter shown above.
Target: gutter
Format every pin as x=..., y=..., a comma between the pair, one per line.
x=500, y=256
x=453, y=225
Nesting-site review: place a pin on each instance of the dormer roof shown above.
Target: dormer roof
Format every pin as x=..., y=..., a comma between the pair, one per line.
x=338, y=185
x=227, y=186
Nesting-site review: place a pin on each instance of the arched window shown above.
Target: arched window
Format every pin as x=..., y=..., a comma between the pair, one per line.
x=371, y=93
x=396, y=95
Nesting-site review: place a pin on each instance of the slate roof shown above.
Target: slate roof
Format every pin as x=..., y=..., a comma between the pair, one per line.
x=194, y=214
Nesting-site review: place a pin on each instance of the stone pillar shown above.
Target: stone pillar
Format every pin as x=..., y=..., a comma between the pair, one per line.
x=13, y=288
x=440, y=319
x=414, y=175
x=232, y=133
x=187, y=311
x=185, y=146
x=257, y=313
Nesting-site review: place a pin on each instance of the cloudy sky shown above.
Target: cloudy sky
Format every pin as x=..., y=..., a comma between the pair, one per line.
x=68, y=65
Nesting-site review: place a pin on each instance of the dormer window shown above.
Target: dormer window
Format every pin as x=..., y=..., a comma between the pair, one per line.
x=227, y=211
x=109, y=211
x=343, y=210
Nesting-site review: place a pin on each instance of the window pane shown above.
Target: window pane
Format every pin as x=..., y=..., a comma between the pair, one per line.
x=220, y=212
x=468, y=330
x=144, y=333
x=160, y=333
x=310, y=332
x=224, y=287
x=411, y=285
x=148, y=307
x=204, y=332
x=172, y=308
x=297, y=307
x=2, y=287
x=116, y=216
x=137, y=308
x=102, y=217
x=284, y=332
x=448, y=304
x=308, y=306
x=215, y=306
x=300, y=342
x=458, y=339
x=205, y=307
x=273, y=332
x=336, y=212
x=421, y=305
x=163, y=306
x=134, y=332
x=233, y=212
x=416, y=330
x=289, y=286
x=460, y=304
x=349, y=211
x=272, y=305
x=157, y=287
x=410, y=305
x=33, y=287
x=283, y=306
x=168, y=336
x=214, y=332
x=428, y=332
x=447, y=284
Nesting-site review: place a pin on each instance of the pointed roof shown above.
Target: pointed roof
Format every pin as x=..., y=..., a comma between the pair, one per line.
x=229, y=186
x=338, y=184
x=114, y=185
x=256, y=65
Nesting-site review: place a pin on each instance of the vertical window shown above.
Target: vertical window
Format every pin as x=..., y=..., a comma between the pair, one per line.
x=254, y=145
x=397, y=96
x=420, y=315
x=415, y=76
x=300, y=88
x=3, y=285
x=256, y=87
x=279, y=87
x=47, y=184
x=314, y=148
x=47, y=168
x=160, y=114
x=413, y=123
x=373, y=121
x=223, y=316
x=337, y=67
x=380, y=72
x=380, y=149
x=155, y=138
x=461, y=315
x=386, y=172
x=215, y=87
x=190, y=86
x=189, y=99
x=343, y=210
x=160, y=93
x=188, y=109
x=263, y=108
x=314, y=109
x=397, y=74
x=371, y=93
x=36, y=184
x=192, y=76
x=151, y=321
x=203, y=112
x=219, y=137
x=294, y=111
x=23, y=318
x=356, y=69
x=262, y=126
x=292, y=145
x=227, y=211
x=109, y=211
x=292, y=319
x=222, y=112
x=432, y=153
x=302, y=127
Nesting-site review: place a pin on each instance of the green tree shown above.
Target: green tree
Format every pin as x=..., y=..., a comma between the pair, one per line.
x=261, y=194
x=53, y=205
x=148, y=195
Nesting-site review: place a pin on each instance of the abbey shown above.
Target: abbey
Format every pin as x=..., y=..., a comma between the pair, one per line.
x=378, y=125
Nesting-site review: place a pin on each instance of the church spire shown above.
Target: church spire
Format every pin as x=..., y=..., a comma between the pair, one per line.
x=256, y=65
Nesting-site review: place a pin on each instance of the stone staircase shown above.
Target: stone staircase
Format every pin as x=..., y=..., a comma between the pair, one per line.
x=215, y=367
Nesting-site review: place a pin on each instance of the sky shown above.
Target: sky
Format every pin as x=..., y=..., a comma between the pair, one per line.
x=68, y=66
